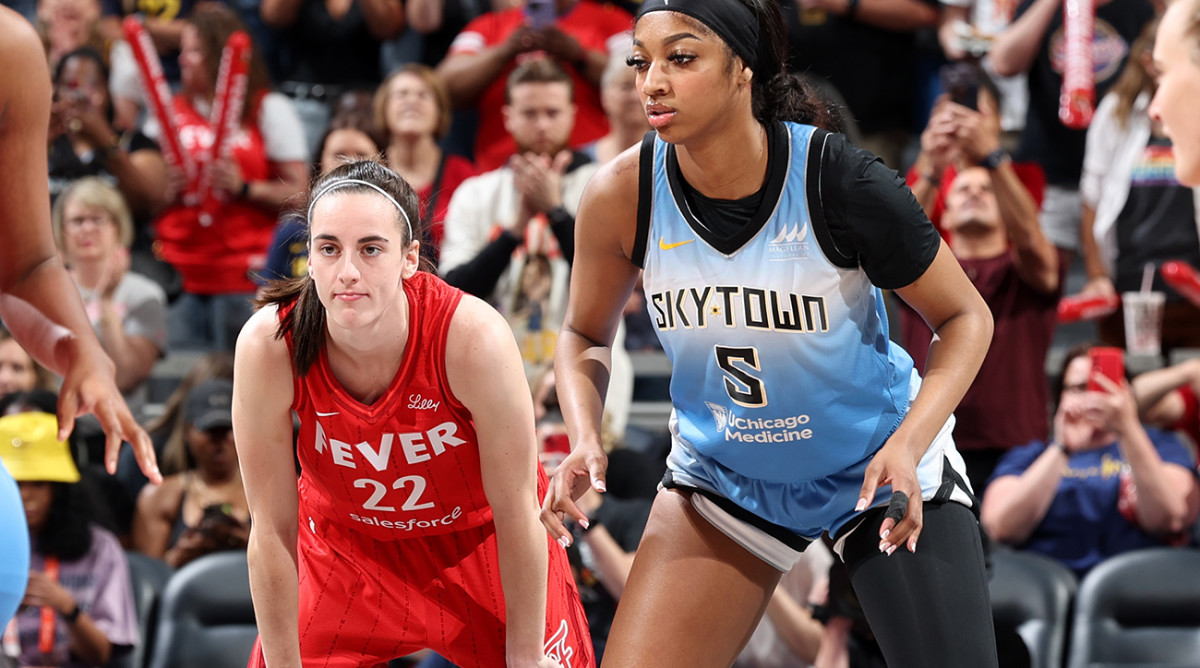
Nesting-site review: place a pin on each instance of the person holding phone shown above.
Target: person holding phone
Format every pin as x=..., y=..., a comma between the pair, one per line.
x=1103, y=485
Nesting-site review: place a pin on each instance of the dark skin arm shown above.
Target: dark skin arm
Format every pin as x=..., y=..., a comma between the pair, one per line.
x=38, y=297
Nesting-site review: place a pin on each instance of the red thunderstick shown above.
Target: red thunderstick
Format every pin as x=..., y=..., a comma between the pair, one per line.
x=1076, y=307
x=159, y=97
x=1182, y=277
x=232, y=79
x=1078, y=98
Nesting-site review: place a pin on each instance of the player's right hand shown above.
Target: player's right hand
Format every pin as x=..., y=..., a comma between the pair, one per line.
x=585, y=467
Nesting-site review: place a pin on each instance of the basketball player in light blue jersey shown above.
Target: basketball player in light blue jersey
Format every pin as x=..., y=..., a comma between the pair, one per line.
x=765, y=242
x=39, y=303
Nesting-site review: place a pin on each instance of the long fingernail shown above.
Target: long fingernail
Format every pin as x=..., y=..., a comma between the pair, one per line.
x=599, y=485
x=891, y=549
x=912, y=545
x=886, y=547
x=584, y=523
x=885, y=534
x=564, y=541
x=862, y=505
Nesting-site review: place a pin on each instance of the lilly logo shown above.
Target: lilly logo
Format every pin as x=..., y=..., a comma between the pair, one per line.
x=556, y=647
x=720, y=415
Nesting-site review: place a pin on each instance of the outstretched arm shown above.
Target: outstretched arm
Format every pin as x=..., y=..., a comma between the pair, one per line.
x=38, y=299
x=262, y=432
x=602, y=278
x=483, y=346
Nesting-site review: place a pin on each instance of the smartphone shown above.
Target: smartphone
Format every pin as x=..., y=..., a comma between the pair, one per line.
x=1106, y=361
x=541, y=13
x=961, y=82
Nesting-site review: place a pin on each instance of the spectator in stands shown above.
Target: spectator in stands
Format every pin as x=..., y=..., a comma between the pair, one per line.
x=200, y=507
x=168, y=431
x=412, y=110
x=19, y=372
x=511, y=230
x=78, y=608
x=1103, y=485
x=627, y=122
x=953, y=139
x=216, y=244
x=1167, y=398
x=579, y=36
x=991, y=223
x=1034, y=43
x=1135, y=212
x=128, y=311
x=331, y=48
x=867, y=50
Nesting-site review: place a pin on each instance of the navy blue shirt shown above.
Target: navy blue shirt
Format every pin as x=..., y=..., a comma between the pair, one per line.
x=1083, y=526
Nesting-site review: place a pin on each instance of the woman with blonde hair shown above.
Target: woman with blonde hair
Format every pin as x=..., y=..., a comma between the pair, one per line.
x=412, y=112
x=94, y=230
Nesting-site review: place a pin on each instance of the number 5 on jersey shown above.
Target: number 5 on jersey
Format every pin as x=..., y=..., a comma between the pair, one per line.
x=742, y=386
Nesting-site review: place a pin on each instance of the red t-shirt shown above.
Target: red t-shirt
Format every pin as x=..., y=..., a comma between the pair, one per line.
x=1006, y=405
x=217, y=244
x=407, y=465
x=590, y=23
x=456, y=170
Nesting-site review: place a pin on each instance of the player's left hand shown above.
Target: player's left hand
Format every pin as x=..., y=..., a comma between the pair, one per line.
x=893, y=465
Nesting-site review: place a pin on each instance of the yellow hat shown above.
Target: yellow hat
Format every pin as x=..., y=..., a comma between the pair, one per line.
x=31, y=451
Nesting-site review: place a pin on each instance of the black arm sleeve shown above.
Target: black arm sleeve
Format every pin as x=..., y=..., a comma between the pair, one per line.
x=479, y=276
x=562, y=225
x=873, y=216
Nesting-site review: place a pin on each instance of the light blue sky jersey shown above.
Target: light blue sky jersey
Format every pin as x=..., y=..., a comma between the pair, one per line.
x=14, y=547
x=782, y=367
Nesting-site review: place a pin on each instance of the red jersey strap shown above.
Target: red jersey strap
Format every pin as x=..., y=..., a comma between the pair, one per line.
x=48, y=626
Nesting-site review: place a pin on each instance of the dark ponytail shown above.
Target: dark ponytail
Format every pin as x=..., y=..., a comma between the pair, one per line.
x=777, y=94
x=306, y=321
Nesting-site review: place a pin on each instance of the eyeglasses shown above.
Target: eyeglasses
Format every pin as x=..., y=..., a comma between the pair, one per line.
x=80, y=221
x=1075, y=389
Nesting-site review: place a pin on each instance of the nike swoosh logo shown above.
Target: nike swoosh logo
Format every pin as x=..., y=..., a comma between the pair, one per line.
x=662, y=243
x=320, y=414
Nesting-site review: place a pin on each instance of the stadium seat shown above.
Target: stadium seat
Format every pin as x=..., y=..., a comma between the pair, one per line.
x=1032, y=595
x=148, y=576
x=206, y=618
x=1140, y=608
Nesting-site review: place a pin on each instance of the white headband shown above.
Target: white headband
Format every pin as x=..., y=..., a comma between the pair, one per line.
x=356, y=182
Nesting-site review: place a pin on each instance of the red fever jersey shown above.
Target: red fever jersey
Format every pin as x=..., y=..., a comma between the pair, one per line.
x=407, y=465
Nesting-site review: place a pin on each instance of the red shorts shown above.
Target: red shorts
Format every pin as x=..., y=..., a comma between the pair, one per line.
x=364, y=602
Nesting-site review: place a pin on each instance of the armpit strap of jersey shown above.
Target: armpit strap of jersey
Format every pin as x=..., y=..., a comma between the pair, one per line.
x=645, y=199
x=816, y=206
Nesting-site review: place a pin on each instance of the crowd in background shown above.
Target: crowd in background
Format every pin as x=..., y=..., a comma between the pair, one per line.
x=498, y=113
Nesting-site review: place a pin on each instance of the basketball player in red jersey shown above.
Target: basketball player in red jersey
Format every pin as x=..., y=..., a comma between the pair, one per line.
x=39, y=302
x=414, y=522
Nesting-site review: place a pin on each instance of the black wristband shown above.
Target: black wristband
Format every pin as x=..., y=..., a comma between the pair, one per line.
x=994, y=159
x=72, y=616
x=244, y=193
